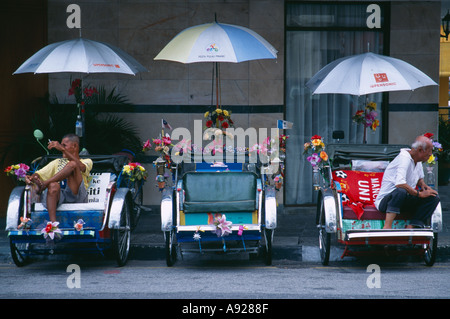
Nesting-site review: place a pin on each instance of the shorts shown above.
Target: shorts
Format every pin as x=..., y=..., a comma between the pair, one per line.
x=67, y=196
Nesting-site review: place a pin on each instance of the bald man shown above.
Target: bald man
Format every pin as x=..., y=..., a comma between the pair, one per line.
x=403, y=187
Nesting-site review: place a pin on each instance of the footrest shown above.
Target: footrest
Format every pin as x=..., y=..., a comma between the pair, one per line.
x=34, y=233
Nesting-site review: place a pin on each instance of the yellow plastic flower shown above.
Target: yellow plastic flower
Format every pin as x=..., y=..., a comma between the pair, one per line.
x=225, y=112
x=218, y=111
x=127, y=169
x=375, y=124
x=431, y=160
x=372, y=105
x=316, y=142
x=206, y=114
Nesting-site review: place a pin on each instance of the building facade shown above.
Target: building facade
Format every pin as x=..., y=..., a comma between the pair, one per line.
x=307, y=34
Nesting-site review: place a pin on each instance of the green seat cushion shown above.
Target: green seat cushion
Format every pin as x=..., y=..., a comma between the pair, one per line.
x=219, y=191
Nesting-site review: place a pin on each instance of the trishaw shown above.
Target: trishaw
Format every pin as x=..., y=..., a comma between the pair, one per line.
x=218, y=207
x=347, y=188
x=103, y=224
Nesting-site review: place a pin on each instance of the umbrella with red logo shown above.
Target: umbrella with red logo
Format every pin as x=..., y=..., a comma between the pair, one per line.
x=81, y=56
x=367, y=73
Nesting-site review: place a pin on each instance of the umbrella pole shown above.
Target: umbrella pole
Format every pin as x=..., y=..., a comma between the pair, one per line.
x=365, y=126
x=217, y=85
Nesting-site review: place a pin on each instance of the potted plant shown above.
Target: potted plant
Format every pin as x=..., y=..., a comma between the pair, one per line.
x=444, y=152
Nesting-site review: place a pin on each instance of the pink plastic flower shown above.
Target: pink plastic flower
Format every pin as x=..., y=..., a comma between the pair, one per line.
x=78, y=225
x=314, y=159
x=50, y=230
x=167, y=140
x=147, y=146
x=223, y=227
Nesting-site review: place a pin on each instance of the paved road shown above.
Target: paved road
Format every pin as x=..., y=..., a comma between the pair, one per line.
x=224, y=278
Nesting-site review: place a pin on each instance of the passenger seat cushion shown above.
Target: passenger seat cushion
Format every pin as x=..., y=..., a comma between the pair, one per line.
x=219, y=191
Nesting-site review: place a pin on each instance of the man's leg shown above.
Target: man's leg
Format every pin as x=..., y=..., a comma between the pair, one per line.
x=391, y=205
x=424, y=209
x=71, y=172
x=389, y=219
x=53, y=195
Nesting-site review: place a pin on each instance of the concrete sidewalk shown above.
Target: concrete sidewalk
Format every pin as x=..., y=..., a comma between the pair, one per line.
x=295, y=237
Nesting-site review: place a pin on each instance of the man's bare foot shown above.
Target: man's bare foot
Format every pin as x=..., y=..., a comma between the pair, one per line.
x=39, y=185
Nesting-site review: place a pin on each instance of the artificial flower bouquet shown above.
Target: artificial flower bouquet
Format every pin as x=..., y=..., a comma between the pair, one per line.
x=218, y=118
x=18, y=171
x=134, y=171
x=437, y=150
x=318, y=158
x=368, y=116
x=316, y=150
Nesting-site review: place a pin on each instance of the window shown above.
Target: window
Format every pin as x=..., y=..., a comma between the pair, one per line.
x=317, y=34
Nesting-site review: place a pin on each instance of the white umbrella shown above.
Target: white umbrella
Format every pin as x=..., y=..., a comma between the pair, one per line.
x=217, y=42
x=367, y=73
x=81, y=56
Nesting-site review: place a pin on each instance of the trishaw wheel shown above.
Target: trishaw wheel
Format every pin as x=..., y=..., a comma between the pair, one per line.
x=121, y=235
x=431, y=251
x=324, y=237
x=171, y=252
x=17, y=253
x=268, y=234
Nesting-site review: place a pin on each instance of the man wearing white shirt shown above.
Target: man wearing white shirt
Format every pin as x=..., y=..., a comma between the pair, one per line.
x=403, y=187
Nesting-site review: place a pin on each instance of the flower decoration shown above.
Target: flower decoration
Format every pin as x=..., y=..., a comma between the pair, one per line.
x=282, y=143
x=162, y=146
x=368, y=116
x=51, y=230
x=218, y=118
x=18, y=170
x=147, y=145
x=278, y=179
x=81, y=95
x=241, y=229
x=134, y=171
x=78, y=225
x=437, y=150
x=316, y=148
x=223, y=227
x=182, y=147
x=197, y=236
x=25, y=223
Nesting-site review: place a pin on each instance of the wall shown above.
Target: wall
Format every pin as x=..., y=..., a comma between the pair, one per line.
x=414, y=38
x=170, y=90
x=23, y=32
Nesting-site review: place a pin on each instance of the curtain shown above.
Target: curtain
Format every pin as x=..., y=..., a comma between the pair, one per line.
x=308, y=49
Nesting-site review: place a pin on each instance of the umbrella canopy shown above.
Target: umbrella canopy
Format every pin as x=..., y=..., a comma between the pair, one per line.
x=367, y=73
x=83, y=56
x=217, y=42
